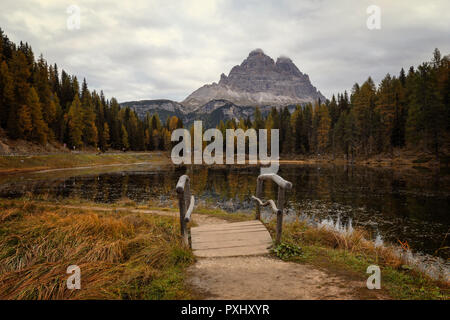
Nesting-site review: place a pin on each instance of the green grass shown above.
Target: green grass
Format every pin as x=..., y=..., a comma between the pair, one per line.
x=122, y=255
x=222, y=214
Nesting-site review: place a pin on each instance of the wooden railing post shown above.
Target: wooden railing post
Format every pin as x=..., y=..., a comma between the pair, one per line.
x=259, y=184
x=280, y=205
x=187, y=195
x=279, y=208
x=184, y=201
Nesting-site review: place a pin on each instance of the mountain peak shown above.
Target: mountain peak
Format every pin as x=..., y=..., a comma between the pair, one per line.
x=285, y=64
x=256, y=61
x=256, y=52
x=283, y=58
x=259, y=81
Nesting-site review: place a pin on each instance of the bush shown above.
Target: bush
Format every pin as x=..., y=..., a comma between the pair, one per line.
x=286, y=251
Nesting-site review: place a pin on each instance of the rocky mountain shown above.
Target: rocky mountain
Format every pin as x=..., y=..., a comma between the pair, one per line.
x=259, y=81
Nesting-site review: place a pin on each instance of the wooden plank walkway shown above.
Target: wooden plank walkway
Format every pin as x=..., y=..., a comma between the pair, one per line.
x=246, y=238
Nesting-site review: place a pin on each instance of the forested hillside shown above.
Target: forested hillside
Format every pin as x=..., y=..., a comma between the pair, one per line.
x=409, y=110
x=37, y=103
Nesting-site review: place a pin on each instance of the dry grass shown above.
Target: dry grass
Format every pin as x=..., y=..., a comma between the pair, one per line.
x=121, y=255
x=338, y=252
x=355, y=242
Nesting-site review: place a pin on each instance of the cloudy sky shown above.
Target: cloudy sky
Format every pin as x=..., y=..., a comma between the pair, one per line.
x=166, y=49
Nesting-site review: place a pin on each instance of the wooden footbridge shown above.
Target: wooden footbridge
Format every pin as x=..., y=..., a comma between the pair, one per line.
x=232, y=239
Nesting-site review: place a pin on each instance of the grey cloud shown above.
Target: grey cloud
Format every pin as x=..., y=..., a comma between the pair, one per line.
x=166, y=49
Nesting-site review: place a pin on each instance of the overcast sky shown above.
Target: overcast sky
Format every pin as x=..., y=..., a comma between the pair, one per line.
x=166, y=49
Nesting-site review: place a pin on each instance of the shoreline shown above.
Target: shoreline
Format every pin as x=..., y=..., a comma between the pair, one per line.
x=68, y=161
x=77, y=161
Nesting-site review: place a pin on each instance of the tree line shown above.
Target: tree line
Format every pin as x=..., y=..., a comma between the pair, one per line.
x=410, y=110
x=37, y=103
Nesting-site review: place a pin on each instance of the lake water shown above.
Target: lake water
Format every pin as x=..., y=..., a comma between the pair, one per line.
x=409, y=205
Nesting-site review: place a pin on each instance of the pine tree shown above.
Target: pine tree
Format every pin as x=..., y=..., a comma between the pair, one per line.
x=40, y=129
x=156, y=139
x=387, y=109
x=6, y=93
x=299, y=130
x=351, y=134
x=258, y=123
x=324, y=125
x=363, y=105
x=66, y=95
x=286, y=131
x=125, y=142
x=114, y=124
x=287, y=143
x=20, y=72
x=173, y=123
x=307, y=127
x=54, y=80
x=90, y=132
x=339, y=134
x=24, y=122
x=42, y=85
x=398, y=128
x=166, y=142
x=75, y=123
x=402, y=77
x=105, y=136
x=147, y=139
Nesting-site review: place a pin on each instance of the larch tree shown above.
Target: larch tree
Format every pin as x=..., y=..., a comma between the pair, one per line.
x=20, y=72
x=6, y=93
x=24, y=122
x=105, y=136
x=125, y=142
x=40, y=129
x=75, y=123
x=324, y=125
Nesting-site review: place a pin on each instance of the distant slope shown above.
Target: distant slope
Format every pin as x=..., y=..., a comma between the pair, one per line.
x=210, y=113
x=164, y=108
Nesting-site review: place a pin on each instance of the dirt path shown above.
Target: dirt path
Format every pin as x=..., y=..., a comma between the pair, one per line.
x=265, y=277
x=262, y=277
x=259, y=277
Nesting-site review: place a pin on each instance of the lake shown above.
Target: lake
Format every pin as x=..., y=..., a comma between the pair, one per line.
x=410, y=205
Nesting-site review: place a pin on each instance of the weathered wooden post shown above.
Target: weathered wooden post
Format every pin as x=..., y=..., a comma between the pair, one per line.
x=279, y=208
x=280, y=205
x=183, y=191
x=259, y=184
